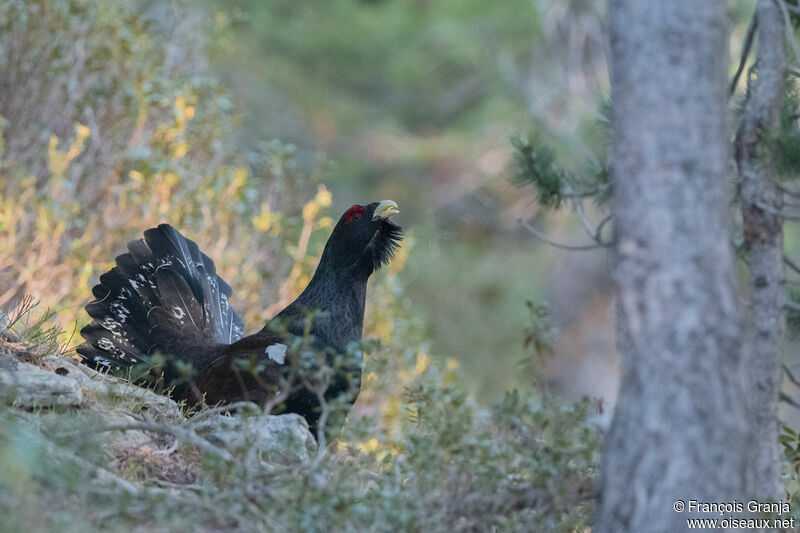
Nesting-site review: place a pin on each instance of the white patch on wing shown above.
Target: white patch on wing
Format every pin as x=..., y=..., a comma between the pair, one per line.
x=277, y=352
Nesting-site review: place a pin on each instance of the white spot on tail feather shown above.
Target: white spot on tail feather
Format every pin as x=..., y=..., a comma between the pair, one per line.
x=277, y=352
x=102, y=362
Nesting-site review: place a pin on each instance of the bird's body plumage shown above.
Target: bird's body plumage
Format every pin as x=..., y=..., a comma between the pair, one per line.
x=165, y=297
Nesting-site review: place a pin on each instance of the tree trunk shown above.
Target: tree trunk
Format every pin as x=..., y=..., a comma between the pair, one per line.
x=680, y=430
x=763, y=238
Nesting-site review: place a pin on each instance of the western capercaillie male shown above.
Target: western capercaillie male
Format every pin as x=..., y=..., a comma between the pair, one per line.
x=164, y=297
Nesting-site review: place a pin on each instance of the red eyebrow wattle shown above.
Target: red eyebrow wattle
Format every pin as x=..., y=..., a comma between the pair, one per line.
x=350, y=213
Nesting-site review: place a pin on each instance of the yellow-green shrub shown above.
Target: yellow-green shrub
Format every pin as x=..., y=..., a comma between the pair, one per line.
x=109, y=128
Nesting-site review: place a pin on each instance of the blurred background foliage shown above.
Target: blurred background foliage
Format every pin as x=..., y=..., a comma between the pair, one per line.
x=226, y=118
x=415, y=101
x=107, y=132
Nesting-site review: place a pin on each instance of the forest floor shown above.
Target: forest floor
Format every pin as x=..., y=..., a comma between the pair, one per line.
x=84, y=451
x=81, y=450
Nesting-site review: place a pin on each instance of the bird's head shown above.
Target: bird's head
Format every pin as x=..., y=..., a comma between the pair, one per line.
x=365, y=238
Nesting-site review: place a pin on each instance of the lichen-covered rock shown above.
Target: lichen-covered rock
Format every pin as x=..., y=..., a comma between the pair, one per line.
x=120, y=442
x=141, y=419
x=109, y=389
x=277, y=439
x=28, y=386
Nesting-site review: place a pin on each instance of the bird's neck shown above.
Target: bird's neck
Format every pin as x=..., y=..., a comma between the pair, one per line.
x=336, y=300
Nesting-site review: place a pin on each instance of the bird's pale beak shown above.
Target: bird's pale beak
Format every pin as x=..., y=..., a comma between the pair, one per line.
x=385, y=209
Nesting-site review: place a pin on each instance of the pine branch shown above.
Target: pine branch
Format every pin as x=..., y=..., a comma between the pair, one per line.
x=541, y=236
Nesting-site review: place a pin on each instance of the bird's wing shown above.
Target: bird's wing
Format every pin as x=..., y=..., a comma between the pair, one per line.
x=252, y=369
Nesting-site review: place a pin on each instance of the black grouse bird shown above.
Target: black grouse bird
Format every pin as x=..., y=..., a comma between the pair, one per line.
x=165, y=297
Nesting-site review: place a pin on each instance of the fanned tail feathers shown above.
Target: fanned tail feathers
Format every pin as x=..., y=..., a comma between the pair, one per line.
x=163, y=296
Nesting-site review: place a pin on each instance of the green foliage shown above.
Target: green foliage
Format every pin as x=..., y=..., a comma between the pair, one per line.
x=417, y=65
x=458, y=467
x=435, y=461
x=539, y=335
x=783, y=143
x=535, y=163
x=781, y=146
x=790, y=442
x=35, y=331
x=104, y=137
x=414, y=97
x=793, y=311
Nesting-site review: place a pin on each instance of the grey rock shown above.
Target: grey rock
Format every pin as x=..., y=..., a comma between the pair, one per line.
x=277, y=439
x=124, y=393
x=121, y=443
x=28, y=386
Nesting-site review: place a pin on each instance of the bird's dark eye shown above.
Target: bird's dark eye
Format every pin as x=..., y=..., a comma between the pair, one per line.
x=356, y=216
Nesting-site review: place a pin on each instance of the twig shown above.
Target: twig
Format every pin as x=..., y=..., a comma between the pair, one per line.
x=791, y=376
x=189, y=486
x=779, y=212
x=25, y=306
x=593, y=233
x=168, y=451
x=206, y=413
x=788, y=28
x=793, y=9
x=790, y=204
x=571, y=195
x=286, y=389
x=9, y=336
x=788, y=191
x=789, y=400
x=285, y=291
x=599, y=235
x=791, y=264
x=539, y=235
x=188, y=436
x=748, y=43
x=577, y=206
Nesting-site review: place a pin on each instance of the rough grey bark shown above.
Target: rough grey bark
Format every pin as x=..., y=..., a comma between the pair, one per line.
x=680, y=428
x=763, y=238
